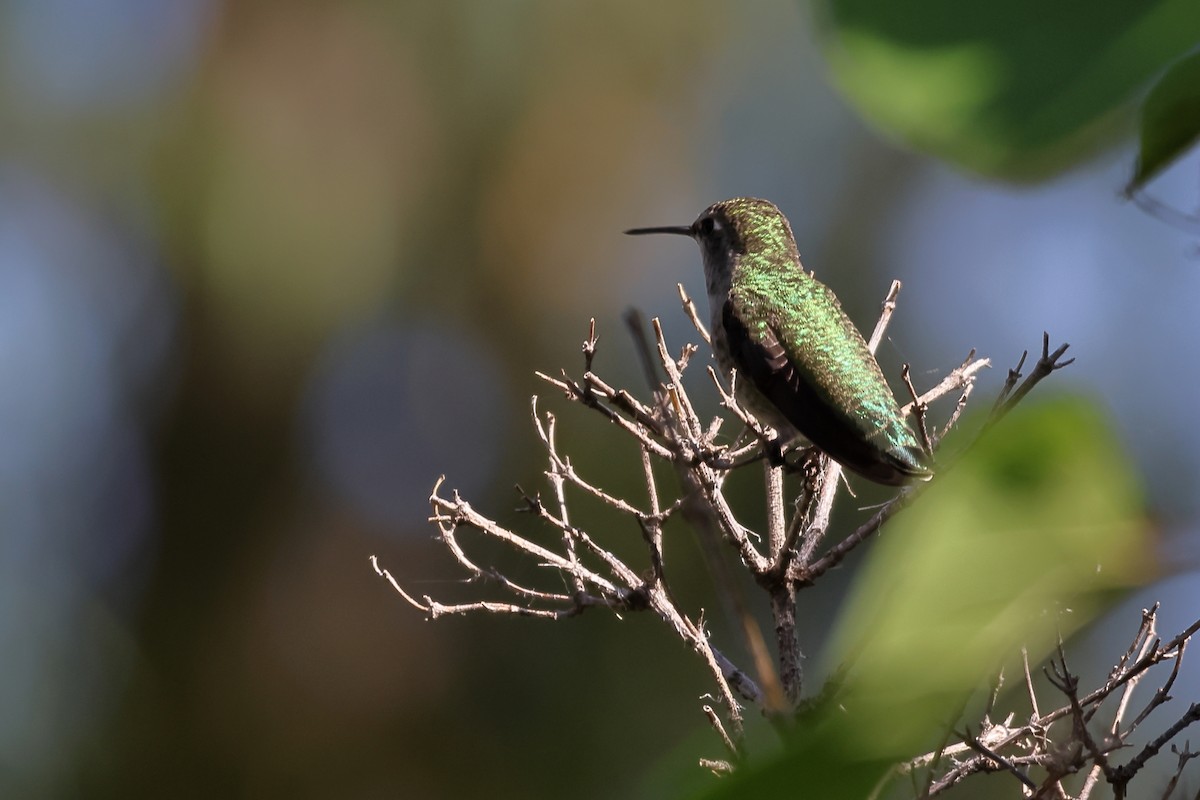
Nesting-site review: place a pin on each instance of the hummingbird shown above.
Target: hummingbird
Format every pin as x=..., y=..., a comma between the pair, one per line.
x=801, y=365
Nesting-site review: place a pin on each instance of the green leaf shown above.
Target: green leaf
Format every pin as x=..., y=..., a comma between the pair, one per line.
x=1029, y=536
x=1170, y=122
x=1020, y=89
x=1032, y=533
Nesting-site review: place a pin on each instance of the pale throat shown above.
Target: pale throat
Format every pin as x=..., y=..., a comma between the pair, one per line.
x=718, y=277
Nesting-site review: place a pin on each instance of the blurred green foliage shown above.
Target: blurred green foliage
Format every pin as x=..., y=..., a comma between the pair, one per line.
x=1015, y=90
x=1170, y=120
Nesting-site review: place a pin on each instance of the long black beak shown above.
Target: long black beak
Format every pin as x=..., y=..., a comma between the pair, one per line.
x=682, y=230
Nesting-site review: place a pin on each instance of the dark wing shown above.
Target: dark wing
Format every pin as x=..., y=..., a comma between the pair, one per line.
x=763, y=360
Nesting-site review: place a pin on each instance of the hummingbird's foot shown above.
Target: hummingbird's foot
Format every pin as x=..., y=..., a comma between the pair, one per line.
x=807, y=462
x=813, y=467
x=775, y=455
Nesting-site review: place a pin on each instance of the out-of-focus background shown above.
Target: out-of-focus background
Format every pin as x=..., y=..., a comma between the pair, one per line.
x=268, y=269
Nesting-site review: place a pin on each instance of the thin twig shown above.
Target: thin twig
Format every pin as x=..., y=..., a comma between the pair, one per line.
x=1033, y=701
x=558, y=467
x=985, y=751
x=887, y=308
x=804, y=575
x=1126, y=772
x=919, y=409
x=959, y=407
x=689, y=308
x=1048, y=363
x=960, y=377
x=719, y=727
x=1010, y=383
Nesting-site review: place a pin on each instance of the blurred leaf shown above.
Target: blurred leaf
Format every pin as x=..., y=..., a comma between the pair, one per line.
x=822, y=764
x=1015, y=90
x=1170, y=122
x=1029, y=534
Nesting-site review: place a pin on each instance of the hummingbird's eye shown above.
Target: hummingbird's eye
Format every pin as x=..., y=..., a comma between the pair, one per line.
x=708, y=225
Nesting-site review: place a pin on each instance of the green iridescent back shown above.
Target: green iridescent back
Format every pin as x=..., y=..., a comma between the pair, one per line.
x=771, y=290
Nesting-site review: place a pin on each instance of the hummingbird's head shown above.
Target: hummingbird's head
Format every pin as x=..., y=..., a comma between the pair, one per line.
x=728, y=230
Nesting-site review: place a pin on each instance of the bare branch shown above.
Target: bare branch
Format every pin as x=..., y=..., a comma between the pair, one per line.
x=985, y=751
x=773, y=477
x=885, y=316
x=753, y=425
x=689, y=308
x=1125, y=773
x=719, y=727
x=1076, y=749
x=1033, y=701
x=1146, y=633
x=804, y=575
x=919, y=409
x=561, y=470
x=961, y=377
x=716, y=766
x=666, y=429
x=1048, y=363
x=558, y=467
x=959, y=407
x=412, y=601
x=1010, y=383
x=1182, y=758
x=594, y=395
